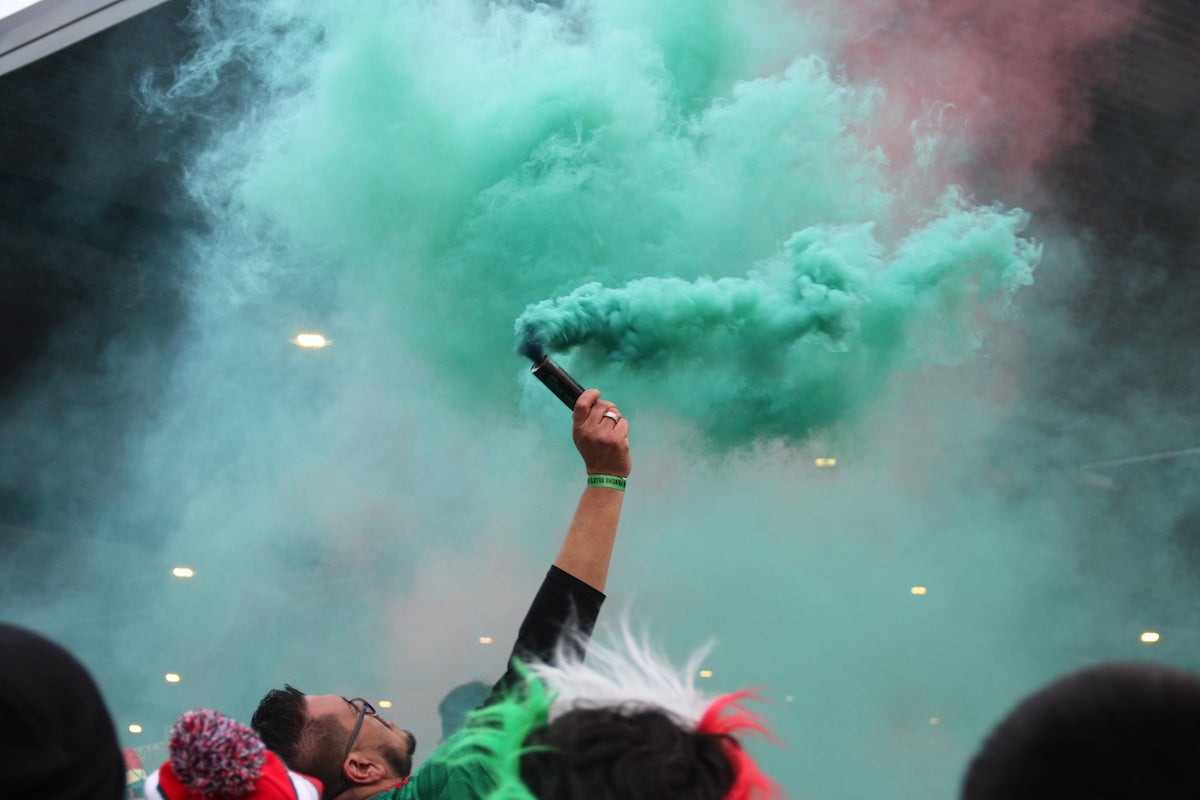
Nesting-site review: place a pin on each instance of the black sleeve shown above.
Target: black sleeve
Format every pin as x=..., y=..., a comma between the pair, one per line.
x=562, y=603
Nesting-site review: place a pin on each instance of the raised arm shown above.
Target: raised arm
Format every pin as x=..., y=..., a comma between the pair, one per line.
x=602, y=438
x=572, y=592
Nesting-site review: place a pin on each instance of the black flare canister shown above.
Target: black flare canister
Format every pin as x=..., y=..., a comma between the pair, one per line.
x=565, y=387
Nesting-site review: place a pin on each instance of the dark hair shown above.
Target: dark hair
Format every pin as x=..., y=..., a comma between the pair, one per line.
x=279, y=721
x=309, y=746
x=625, y=754
x=1112, y=731
x=57, y=739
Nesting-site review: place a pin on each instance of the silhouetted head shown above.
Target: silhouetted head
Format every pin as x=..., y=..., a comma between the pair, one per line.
x=1111, y=731
x=458, y=703
x=57, y=739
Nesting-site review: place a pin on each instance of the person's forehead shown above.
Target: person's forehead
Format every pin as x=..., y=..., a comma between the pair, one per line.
x=319, y=705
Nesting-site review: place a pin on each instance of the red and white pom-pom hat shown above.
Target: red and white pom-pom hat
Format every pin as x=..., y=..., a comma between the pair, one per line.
x=217, y=758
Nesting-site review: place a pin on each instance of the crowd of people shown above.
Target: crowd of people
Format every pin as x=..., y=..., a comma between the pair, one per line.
x=569, y=719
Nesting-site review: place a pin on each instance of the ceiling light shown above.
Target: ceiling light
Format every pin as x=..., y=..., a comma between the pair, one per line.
x=135, y=728
x=706, y=673
x=918, y=590
x=385, y=703
x=312, y=341
x=171, y=677
x=1150, y=637
x=825, y=462
x=485, y=640
x=183, y=572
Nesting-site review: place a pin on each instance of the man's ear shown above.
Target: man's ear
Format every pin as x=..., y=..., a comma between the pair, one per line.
x=361, y=767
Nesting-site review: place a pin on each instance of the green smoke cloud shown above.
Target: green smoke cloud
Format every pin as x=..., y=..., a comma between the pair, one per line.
x=818, y=332
x=458, y=167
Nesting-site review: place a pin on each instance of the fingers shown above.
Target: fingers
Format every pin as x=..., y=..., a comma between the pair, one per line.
x=584, y=404
x=601, y=435
x=612, y=418
x=589, y=408
x=603, y=414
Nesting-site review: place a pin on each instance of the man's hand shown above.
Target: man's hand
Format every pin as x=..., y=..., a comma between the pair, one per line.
x=601, y=436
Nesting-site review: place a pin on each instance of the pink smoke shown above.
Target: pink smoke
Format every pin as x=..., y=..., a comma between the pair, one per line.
x=994, y=86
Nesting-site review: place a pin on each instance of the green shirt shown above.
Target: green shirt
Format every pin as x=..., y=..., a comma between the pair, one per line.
x=438, y=780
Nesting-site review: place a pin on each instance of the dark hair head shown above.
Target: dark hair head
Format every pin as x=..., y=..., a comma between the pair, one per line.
x=460, y=702
x=279, y=721
x=1112, y=731
x=58, y=739
x=309, y=746
x=625, y=754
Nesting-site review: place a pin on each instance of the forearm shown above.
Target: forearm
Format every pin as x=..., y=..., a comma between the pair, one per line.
x=588, y=546
x=571, y=594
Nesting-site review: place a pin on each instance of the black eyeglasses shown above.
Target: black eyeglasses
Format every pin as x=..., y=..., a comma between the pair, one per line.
x=364, y=710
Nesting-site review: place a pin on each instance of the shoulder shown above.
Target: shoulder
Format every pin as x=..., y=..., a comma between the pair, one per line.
x=449, y=776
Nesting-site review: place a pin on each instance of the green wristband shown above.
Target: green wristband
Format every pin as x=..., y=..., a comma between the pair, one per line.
x=607, y=481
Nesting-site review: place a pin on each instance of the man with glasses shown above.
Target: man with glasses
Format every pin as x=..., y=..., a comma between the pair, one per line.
x=356, y=754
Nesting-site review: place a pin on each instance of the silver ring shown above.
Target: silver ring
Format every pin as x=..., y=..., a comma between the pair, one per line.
x=614, y=416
